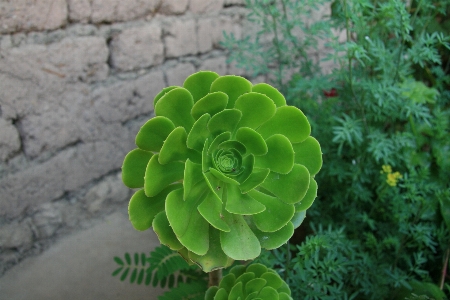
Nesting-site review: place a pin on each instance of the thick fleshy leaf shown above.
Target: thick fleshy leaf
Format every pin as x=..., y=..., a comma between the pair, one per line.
x=192, y=177
x=257, y=269
x=153, y=133
x=165, y=233
x=222, y=177
x=244, y=278
x=256, y=109
x=240, y=234
x=268, y=293
x=273, y=280
x=189, y=226
x=284, y=296
x=241, y=204
x=273, y=240
x=211, y=210
x=270, y=92
x=199, y=133
x=279, y=157
x=158, y=176
x=215, y=258
x=227, y=282
x=308, y=200
x=238, y=270
x=133, y=168
x=176, y=105
x=255, y=179
x=233, y=145
x=233, y=86
x=224, y=121
x=246, y=170
x=288, y=121
x=211, y=292
x=237, y=292
x=211, y=104
x=174, y=147
x=143, y=209
x=276, y=215
x=290, y=188
x=252, y=140
x=298, y=218
x=162, y=93
x=254, y=285
x=309, y=154
x=224, y=136
x=221, y=295
x=199, y=84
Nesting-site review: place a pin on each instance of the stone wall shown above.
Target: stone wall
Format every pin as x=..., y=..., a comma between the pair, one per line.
x=77, y=80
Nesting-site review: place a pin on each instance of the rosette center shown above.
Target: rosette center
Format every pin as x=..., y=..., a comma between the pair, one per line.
x=228, y=161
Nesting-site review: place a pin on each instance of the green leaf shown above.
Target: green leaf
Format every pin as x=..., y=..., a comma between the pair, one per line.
x=224, y=121
x=284, y=296
x=192, y=177
x=211, y=104
x=246, y=277
x=158, y=176
x=242, y=204
x=174, y=147
x=258, y=269
x=133, y=168
x=273, y=240
x=279, y=157
x=153, y=133
x=166, y=236
x=271, y=92
x=233, y=86
x=211, y=292
x=309, y=154
x=288, y=121
x=290, y=188
x=215, y=258
x=176, y=105
x=252, y=140
x=445, y=210
x=254, y=285
x=199, y=84
x=237, y=292
x=276, y=215
x=189, y=226
x=133, y=276
x=143, y=209
x=298, y=218
x=308, y=200
x=162, y=93
x=268, y=293
x=224, y=136
x=118, y=260
x=199, y=133
x=117, y=271
x=221, y=295
x=273, y=280
x=240, y=234
x=124, y=274
x=256, y=109
x=254, y=180
x=222, y=177
x=141, y=276
x=211, y=210
x=227, y=282
x=128, y=258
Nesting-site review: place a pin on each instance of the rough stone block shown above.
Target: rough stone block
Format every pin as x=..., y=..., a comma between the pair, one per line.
x=126, y=100
x=177, y=74
x=216, y=64
x=181, y=39
x=16, y=235
x=79, y=10
x=47, y=220
x=137, y=48
x=205, y=35
x=119, y=10
x=234, y=2
x=173, y=7
x=9, y=139
x=202, y=6
x=228, y=24
x=110, y=189
x=65, y=172
x=27, y=15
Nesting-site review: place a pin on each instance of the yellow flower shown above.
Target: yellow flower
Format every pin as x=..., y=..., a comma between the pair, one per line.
x=392, y=178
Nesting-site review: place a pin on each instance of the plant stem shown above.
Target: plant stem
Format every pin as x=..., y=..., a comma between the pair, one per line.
x=444, y=269
x=215, y=277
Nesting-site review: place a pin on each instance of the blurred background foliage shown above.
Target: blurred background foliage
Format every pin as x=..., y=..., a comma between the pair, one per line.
x=380, y=227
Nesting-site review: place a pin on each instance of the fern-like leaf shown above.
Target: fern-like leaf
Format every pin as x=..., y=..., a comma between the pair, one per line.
x=135, y=268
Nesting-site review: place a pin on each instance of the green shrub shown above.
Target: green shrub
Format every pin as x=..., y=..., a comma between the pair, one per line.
x=382, y=115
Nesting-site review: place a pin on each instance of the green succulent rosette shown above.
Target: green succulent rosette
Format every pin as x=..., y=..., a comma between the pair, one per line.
x=224, y=169
x=253, y=282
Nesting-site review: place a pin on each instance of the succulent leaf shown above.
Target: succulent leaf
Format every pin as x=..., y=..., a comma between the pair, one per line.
x=253, y=282
x=225, y=168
